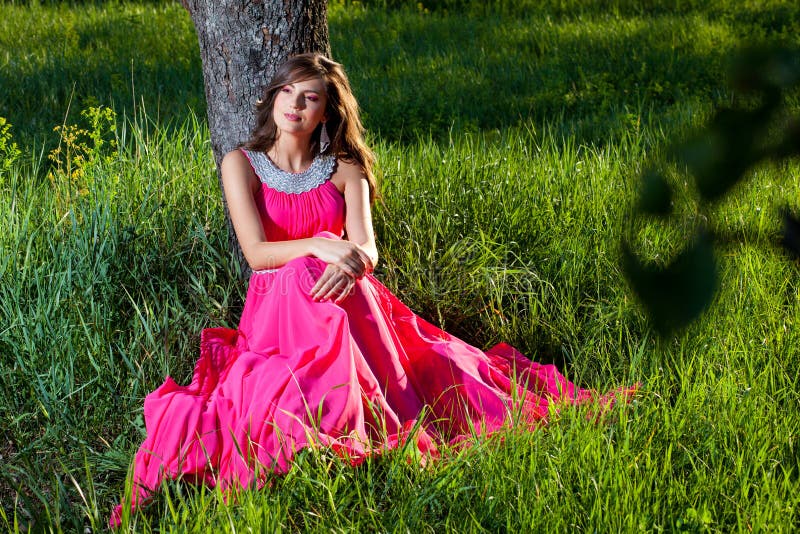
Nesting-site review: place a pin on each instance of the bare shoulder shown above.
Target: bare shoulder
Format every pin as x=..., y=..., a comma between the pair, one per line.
x=236, y=169
x=235, y=159
x=348, y=172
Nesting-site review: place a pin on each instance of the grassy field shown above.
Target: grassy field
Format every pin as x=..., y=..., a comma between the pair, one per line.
x=509, y=136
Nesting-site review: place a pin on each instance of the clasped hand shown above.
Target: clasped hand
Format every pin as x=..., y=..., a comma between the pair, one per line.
x=334, y=285
x=347, y=262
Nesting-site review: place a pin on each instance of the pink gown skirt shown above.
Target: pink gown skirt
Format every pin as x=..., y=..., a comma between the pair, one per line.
x=355, y=377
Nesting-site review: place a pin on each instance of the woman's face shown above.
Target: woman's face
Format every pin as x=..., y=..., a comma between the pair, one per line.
x=300, y=106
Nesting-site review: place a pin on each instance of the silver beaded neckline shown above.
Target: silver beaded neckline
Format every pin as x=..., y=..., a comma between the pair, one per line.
x=289, y=182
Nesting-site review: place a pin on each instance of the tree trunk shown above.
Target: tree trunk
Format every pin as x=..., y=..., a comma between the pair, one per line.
x=242, y=43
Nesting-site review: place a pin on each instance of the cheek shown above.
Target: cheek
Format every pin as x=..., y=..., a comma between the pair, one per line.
x=279, y=105
x=319, y=109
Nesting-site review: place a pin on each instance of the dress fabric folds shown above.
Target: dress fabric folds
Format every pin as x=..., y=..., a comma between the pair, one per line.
x=359, y=377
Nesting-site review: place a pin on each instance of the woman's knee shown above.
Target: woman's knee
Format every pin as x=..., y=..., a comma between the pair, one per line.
x=303, y=271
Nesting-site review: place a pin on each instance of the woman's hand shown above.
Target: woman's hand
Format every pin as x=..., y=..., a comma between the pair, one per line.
x=334, y=284
x=350, y=258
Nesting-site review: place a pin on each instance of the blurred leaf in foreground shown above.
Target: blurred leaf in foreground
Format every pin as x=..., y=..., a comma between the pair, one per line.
x=655, y=195
x=719, y=156
x=677, y=293
x=765, y=68
x=791, y=233
x=737, y=138
x=758, y=127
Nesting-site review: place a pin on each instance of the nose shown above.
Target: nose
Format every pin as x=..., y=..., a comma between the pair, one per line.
x=299, y=102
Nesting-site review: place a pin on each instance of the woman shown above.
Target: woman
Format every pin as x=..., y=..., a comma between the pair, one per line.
x=324, y=354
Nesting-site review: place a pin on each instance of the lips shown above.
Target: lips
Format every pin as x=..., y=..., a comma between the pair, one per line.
x=291, y=117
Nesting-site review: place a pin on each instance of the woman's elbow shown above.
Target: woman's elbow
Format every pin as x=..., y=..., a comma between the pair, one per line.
x=254, y=260
x=252, y=263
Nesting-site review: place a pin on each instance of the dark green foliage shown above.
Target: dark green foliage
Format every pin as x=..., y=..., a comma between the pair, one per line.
x=718, y=157
x=791, y=233
x=655, y=195
x=674, y=295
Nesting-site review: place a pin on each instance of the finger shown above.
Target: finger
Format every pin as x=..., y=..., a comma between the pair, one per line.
x=365, y=263
x=360, y=263
x=335, y=289
x=328, y=278
x=319, y=285
x=364, y=257
x=352, y=267
x=345, y=292
x=328, y=290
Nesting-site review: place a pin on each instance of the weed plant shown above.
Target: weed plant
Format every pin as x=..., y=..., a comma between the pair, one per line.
x=509, y=142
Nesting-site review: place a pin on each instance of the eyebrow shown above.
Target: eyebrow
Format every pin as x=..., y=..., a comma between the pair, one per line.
x=307, y=90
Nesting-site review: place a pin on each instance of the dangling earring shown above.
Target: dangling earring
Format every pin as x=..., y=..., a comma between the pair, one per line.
x=324, y=140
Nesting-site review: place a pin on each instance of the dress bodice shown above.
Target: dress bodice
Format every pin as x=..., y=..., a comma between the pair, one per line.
x=297, y=205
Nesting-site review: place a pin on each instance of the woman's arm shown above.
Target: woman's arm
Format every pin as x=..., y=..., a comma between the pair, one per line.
x=334, y=284
x=358, y=215
x=240, y=185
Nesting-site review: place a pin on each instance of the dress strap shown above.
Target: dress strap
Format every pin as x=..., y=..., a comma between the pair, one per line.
x=291, y=182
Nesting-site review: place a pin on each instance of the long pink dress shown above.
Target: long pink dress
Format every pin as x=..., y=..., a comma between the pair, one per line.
x=354, y=376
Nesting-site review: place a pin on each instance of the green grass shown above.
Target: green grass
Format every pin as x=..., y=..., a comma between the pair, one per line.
x=509, y=165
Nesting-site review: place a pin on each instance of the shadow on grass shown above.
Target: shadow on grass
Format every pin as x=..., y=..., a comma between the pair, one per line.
x=591, y=74
x=63, y=60
x=591, y=77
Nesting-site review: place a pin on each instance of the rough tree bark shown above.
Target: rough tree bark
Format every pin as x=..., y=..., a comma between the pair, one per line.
x=242, y=42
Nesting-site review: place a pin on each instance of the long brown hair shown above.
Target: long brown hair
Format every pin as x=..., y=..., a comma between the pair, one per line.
x=343, y=122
